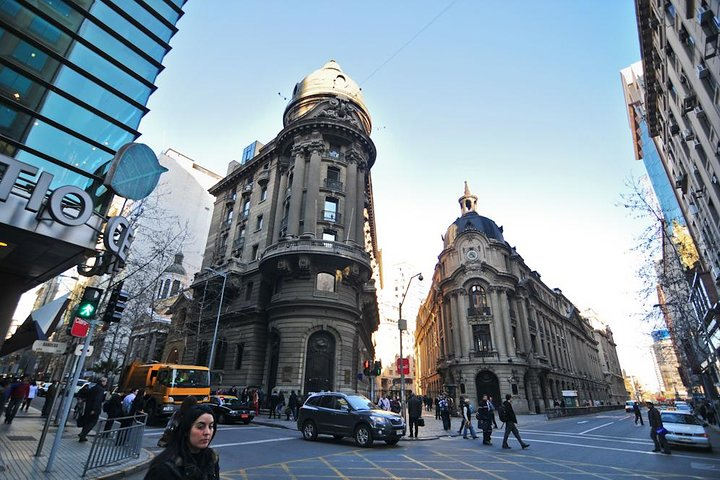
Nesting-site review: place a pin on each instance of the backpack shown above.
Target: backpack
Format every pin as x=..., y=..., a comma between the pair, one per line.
x=502, y=414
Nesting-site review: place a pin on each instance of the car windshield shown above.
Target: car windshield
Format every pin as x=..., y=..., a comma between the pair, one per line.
x=358, y=402
x=670, y=417
x=177, y=377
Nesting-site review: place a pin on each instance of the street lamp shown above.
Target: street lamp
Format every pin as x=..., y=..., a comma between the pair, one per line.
x=217, y=318
x=402, y=326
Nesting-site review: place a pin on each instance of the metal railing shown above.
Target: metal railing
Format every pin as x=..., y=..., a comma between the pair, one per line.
x=116, y=444
x=551, y=413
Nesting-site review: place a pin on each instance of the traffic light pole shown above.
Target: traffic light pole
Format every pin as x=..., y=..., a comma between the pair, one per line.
x=69, y=391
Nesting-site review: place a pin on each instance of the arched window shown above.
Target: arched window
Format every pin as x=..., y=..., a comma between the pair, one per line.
x=175, y=288
x=325, y=282
x=478, y=300
x=165, y=289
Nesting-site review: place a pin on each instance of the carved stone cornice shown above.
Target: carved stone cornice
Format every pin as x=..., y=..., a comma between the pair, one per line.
x=341, y=110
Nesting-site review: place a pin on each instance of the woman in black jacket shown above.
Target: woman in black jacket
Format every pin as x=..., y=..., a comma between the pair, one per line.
x=188, y=456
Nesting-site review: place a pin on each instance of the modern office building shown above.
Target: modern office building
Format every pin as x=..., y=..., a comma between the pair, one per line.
x=666, y=365
x=490, y=326
x=679, y=43
x=75, y=78
x=288, y=299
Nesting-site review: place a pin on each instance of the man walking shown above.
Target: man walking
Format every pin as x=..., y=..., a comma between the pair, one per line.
x=414, y=405
x=491, y=409
x=467, y=419
x=636, y=411
x=444, y=412
x=293, y=404
x=484, y=423
x=93, y=405
x=32, y=393
x=18, y=393
x=657, y=430
x=508, y=416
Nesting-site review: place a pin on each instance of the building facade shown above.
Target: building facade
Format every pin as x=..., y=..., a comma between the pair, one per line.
x=75, y=78
x=679, y=43
x=490, y=326
x=288, y=290
x=609, y=361
x=666, y=365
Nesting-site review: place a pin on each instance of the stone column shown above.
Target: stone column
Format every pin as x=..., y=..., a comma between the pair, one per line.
x=298, y=185
x=350, y=207
x=524, y=324
x=312, y=194
x=497, y=329
x=461, y=351
x=360, y=204
x=455, y=325
x=280, y=209
x=504, y=309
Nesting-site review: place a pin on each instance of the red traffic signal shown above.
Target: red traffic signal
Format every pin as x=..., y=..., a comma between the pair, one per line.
x=403, y=365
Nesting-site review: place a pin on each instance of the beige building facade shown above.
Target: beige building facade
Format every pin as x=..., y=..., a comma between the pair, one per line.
x=490, y=326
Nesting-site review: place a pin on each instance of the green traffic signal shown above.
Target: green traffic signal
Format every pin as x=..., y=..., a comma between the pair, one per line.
x=89, y=303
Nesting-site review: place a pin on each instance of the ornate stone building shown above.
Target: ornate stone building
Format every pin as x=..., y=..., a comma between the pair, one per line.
x=291, y=258
x=490, y=326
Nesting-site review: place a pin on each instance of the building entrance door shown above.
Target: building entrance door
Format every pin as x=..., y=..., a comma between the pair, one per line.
x=488, y=384
x=320, y=363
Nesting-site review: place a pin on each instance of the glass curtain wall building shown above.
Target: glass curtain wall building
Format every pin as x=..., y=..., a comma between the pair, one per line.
x=75, y=78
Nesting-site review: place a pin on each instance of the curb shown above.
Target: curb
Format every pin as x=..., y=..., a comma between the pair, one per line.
x=129, y=470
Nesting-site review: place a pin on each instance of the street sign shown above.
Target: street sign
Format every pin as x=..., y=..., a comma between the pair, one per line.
x=403, y=364
x=79, y=349
x=49, y=347
x=79, y=328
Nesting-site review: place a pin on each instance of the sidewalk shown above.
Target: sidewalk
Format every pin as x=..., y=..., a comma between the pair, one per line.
x=19, y=441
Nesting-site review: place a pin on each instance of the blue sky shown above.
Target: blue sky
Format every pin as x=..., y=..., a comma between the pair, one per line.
x=523, y=100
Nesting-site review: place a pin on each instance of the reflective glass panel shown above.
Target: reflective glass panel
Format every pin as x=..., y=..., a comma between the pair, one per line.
x=164, y=9
x=127, y=30
x=147, y=19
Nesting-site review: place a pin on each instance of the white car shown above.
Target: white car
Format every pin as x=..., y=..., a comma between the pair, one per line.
x=684, y=428
x=683, y=407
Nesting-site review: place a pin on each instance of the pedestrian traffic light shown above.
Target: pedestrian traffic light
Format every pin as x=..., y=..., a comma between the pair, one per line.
x=87, y=308
x=116, y=304
x=366, y=367
x=377, y=368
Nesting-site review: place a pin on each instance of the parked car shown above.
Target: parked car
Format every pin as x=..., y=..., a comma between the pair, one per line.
x=629, y=406
x=229, y=409
x=682, y=406
x=348, y=415
x=684, y=428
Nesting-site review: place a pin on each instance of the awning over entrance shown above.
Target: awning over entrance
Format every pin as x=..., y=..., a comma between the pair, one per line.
x=39, y=325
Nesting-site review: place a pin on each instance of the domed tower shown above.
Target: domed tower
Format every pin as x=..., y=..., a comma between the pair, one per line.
x=301, y=250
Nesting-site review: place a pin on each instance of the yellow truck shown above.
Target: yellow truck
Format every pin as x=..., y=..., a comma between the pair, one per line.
x=167, y=385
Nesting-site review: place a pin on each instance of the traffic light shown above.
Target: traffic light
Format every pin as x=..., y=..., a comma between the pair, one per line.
x=116, y=304
x=366, y=367
x=89, y=301
x=377, y=368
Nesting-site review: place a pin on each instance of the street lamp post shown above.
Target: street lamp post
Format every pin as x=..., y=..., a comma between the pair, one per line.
x=211, y=362
x=402, y=326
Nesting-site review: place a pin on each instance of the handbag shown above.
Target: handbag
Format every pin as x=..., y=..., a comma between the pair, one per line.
x=420, y=422
x=661, y=431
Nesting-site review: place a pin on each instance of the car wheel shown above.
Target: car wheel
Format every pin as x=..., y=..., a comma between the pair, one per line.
x=309, y=430
x=337, y=437
x=221, y=419
x=363, y=436
x=392, y=441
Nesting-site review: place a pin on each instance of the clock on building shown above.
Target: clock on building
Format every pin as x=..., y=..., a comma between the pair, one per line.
x=471, y=255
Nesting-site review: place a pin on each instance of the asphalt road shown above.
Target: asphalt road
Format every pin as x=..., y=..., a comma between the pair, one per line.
x=604, y=446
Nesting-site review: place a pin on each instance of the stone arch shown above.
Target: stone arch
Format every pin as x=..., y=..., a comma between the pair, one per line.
x=320, y=362
x=487, y=383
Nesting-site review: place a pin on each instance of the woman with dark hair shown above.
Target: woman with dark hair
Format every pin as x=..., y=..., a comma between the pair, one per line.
x=188, y=455
x=174, y=421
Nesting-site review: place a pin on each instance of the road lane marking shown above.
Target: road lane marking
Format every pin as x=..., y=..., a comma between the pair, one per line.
x=641, y=441
x=584, y=421
x=332, y=467
x=595, y=428
x=254, y=442
x=624, y=450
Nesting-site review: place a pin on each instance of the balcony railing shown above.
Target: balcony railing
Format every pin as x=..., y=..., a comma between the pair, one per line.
x=335, y=185
x=331, y=216
x=479, y=312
